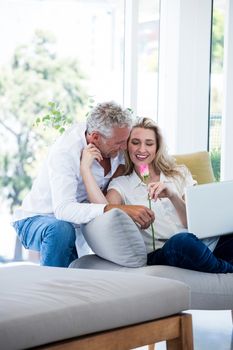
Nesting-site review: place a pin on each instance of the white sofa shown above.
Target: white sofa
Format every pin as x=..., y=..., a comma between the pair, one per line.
x=208, y=291
x=57, y=308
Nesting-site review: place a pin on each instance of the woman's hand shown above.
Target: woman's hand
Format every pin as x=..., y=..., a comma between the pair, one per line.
x=89, y=154
x=159, y=190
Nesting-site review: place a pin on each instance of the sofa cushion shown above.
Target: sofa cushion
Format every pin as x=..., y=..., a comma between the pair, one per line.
x=199, y=164
x=209, y=291
x=39, y=305
x=115, y=237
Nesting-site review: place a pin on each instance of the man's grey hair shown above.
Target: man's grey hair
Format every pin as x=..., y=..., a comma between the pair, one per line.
x=107, y=115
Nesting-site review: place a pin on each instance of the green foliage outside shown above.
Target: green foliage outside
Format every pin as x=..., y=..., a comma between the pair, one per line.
x=35, y=76
x=215, y=156
x=216, y=98
x=55, y=118
x=217, y=41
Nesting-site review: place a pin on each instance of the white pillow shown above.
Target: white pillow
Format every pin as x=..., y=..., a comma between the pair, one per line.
x=115, y=237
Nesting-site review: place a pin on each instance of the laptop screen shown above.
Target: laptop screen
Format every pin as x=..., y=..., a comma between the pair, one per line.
x=209, y=209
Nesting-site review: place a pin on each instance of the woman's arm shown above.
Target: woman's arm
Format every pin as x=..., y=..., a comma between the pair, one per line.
x=180, y=207
x=161, y=190
x=114, y=197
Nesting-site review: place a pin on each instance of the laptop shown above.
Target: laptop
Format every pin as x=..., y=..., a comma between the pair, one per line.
x=209, y=209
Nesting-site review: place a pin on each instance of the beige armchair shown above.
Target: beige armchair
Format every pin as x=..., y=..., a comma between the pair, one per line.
x=199, y=164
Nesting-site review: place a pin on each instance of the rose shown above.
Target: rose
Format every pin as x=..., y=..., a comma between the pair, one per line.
x=144, y=173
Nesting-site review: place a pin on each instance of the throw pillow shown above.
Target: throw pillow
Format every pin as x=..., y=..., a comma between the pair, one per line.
x=115, y=237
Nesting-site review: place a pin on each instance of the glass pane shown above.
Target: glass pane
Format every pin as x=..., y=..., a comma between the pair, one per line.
x=52, y=50
x=148, y=53
x=90, y=31
x=216, y=94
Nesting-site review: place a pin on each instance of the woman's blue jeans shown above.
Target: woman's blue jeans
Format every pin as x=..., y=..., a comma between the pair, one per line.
x=54, y=239
x=185, y=250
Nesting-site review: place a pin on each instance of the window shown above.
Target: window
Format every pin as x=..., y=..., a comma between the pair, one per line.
x=216, y=93
x=65, y=51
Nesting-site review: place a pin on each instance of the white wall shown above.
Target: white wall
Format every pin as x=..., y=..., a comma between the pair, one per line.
x=130, y=94
x=184, y=74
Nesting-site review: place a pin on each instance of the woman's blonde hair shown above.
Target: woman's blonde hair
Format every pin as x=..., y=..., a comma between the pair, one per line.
x=162, y=162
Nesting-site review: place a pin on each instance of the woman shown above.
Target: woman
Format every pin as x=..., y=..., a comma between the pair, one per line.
x=165, y=186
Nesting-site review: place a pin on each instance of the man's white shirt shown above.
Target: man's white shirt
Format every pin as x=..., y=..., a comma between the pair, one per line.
x=58, y=189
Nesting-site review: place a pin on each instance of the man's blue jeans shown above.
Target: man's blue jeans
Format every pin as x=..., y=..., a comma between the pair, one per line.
x=54, y=239
x=185, y=250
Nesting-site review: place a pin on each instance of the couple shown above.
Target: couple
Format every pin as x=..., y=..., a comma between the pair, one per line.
x=165, y=185
x=68, y=192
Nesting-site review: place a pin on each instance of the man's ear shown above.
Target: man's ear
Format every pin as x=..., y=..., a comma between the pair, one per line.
x=94, y=137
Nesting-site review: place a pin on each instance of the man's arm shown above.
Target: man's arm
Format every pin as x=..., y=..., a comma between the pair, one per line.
x=89, y=154
x=142, y=215
x=64, y=179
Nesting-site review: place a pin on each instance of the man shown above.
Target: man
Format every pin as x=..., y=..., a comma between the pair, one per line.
x=57, y=203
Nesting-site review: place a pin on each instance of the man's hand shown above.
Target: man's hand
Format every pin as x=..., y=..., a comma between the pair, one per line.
x=140, y=214
x=89, y=153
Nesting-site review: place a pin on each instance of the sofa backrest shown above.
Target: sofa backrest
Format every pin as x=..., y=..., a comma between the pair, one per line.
x=199, y=164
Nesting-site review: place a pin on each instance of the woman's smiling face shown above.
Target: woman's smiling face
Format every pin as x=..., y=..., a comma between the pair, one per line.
x=142, y=146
